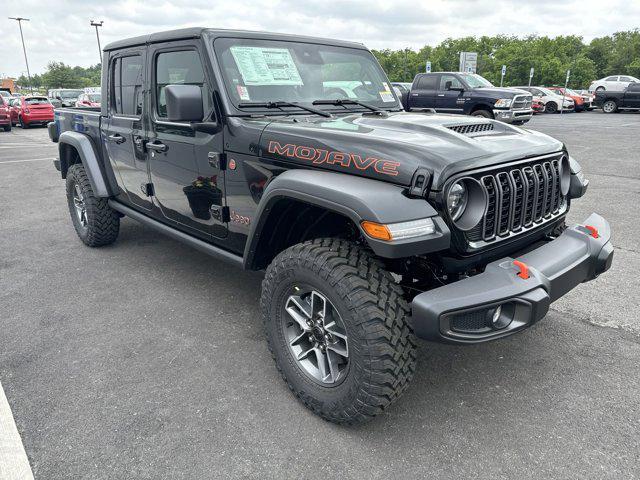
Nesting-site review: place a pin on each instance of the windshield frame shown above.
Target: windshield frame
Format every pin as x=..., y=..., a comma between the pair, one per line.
x=231, y=106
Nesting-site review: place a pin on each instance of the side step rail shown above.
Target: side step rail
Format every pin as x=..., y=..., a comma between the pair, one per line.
x=178, y=235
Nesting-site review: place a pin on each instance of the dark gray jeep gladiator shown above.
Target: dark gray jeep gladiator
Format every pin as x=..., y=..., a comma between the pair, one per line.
x=373, y=226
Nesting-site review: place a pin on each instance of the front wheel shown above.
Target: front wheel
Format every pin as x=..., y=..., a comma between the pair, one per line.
x=551, y=107
x=337, y=326
x=609, y=106
x=482, y=113
x=96, y=223
x=600, y=89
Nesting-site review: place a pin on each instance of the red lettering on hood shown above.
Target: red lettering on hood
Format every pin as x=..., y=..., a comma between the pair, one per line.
x=333, y=157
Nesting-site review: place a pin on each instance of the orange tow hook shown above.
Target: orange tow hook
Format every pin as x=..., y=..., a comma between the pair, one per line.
x=593, y=230
x=524, y=269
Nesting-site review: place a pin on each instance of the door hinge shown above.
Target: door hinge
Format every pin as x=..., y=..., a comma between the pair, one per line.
x=221, y=214
x=147, y=189
x=218, y=160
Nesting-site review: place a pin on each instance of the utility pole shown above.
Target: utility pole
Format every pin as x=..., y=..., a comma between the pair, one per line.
x=98, y=24
x=19, y=20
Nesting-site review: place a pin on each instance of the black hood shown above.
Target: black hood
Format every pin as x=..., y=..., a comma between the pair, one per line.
x=498, y=92
x=391, y=148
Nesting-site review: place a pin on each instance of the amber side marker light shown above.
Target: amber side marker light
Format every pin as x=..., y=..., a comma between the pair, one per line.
x=399, y=231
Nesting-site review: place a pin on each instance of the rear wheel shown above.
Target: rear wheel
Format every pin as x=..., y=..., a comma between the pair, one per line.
x=482, y=113
x=551, y=107
x=337, y=327
x=96, y=223
x=22, y=123
x=600, y=89
x=610, y=106
x=7, y=128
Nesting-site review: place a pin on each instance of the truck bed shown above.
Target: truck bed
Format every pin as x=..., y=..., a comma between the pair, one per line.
x=78, y=119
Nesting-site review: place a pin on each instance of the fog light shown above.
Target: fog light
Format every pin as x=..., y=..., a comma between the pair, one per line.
x=496, y=316
x=499, y=317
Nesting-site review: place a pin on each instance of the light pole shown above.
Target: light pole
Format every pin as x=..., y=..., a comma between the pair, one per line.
x=98, y=24
x=19, y=20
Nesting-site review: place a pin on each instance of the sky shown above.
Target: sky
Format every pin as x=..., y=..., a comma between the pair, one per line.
x=59, y=30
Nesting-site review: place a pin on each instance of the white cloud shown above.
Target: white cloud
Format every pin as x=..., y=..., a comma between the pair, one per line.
x=60, y=30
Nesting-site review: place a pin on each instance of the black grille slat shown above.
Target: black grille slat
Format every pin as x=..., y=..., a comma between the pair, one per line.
x=518, y=198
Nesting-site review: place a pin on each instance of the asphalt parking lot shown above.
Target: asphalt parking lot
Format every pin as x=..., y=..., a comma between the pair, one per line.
x=146, y=359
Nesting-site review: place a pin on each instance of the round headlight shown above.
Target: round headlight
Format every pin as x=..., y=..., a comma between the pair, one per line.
x=466, y=202
x=457, y=200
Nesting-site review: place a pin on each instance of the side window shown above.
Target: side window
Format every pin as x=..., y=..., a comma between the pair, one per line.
x=176, y=68
x=626, y=79
x=611, y=79
x=127, y=85
x=536, y=92
x=451, y=80
x=427, y=82
x=634, y=87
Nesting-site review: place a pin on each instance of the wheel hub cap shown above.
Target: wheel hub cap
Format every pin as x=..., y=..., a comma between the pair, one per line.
x=316, y=336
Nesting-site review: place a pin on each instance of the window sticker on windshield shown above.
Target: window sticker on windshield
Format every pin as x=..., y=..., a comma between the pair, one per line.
x=387, y=96
x=243, y=92
x=266, y=66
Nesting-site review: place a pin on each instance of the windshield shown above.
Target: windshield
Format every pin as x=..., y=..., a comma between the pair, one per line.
x=71, y=93
x=475, y=81
x=258, y=71
x=94, y=97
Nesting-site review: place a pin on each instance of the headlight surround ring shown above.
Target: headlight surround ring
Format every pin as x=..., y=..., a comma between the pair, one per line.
x=468, y=214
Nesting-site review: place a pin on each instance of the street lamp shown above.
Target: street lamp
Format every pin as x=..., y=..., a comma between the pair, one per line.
x=98, y=24
x=19, y=20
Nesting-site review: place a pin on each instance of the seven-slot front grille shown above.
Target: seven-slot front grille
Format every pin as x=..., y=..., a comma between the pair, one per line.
x=519, y=198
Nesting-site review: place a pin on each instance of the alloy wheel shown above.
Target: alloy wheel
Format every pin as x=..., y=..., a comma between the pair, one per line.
x=316, y=336
x=80, y=206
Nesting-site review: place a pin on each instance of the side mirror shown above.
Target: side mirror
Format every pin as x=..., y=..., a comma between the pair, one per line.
x=184, y=103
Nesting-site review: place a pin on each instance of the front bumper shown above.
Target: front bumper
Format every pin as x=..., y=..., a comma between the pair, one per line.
x=510, y=116
x=464, y=312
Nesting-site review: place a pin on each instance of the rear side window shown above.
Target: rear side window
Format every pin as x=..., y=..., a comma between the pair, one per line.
x=176, y=68
x=127, y=85
x=427, y=82
x=611, y=79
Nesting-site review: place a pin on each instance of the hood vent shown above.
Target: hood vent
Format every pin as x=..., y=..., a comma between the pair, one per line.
x=471, y=128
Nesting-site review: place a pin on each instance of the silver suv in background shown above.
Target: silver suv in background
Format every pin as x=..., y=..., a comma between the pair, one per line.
x=64, y=97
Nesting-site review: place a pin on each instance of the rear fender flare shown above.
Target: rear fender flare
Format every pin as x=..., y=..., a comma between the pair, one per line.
x=356, y=198
x=89, y=156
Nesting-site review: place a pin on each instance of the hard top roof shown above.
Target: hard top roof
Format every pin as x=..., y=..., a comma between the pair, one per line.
x=197, y=32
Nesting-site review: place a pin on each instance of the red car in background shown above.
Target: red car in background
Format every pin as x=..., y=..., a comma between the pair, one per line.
x=578, y=101
x=14, y=109
x=32, y=110
x=537, y=105
x=88, y=100
x=5, y=115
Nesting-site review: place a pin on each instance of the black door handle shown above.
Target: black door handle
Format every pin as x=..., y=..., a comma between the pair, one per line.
x=156, y=146
x=117, y=138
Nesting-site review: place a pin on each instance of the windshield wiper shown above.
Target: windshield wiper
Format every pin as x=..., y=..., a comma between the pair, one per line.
x=280, y=103
x=341, y=102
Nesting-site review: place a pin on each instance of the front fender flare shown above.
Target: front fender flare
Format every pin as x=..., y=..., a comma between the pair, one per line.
x=356, y=198
x=89, y=156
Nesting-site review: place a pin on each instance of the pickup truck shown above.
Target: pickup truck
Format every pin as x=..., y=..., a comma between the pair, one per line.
x=373, y=226
x=613, y=101
x=469, y=94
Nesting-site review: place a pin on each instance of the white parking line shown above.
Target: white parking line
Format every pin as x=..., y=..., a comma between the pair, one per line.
x=27, y=160
x=14, y=464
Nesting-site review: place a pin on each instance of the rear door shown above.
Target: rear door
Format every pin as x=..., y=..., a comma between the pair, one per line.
x=423, y=92
x=124, y=129
x=450, y=101
x=185, y=166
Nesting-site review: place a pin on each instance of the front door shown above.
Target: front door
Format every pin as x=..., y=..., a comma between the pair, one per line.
x=185, y=166
x=124, y=129
x=450, y=101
